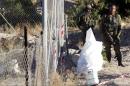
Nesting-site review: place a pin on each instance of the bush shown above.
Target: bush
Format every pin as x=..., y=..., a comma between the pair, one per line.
x=99, y=9
x=21, y=11
x=13, y=7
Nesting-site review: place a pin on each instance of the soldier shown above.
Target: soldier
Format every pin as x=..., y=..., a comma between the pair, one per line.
x=86, y=20
x=111, y=29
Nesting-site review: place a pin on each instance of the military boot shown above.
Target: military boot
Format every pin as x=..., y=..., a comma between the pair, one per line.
x=119, y=58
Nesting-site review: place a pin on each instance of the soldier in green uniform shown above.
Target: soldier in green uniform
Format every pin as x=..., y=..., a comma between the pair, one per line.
x=86, y=20
x=111, y=29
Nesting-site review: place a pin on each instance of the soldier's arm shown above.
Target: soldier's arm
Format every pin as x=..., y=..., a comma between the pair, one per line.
x=79, y=20
x=119, y=26
x=104, y=29
x=104, y=26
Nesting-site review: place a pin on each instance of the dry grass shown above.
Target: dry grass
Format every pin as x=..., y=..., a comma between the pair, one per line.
x=7, y=44
x=32, y=29
x=56, y=80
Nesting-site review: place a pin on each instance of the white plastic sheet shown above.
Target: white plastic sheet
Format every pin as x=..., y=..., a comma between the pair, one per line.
x=90, y=56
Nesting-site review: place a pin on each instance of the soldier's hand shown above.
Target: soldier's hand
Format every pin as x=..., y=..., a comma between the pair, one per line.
x=111, y=39
x=118, y=37
x=117, y=40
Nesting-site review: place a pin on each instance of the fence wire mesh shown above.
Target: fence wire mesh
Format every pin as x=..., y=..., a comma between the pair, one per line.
x=14, y=65
x=19, y=64
x=22, y=65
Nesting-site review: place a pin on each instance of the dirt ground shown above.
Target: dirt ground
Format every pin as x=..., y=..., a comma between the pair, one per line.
x=110, y=75
x=113, y=75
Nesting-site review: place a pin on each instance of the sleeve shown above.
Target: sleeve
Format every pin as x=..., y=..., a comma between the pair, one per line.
x=103, y=25
x=104, y=29
x=119, y=26
x=119, y=20
x=79, y=19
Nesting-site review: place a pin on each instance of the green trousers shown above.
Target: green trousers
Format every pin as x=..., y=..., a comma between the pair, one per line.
x=116, y=46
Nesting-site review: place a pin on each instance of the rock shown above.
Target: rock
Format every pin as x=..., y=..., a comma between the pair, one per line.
x=4, y=35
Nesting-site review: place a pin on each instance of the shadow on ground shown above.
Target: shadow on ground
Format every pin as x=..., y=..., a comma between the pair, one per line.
x=108, y=76
x=125, y=37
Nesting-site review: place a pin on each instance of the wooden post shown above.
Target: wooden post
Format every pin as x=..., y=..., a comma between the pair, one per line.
x=26, y=55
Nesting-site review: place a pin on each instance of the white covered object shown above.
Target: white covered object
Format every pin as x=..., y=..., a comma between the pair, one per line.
x=92, y=77
x=90, y=56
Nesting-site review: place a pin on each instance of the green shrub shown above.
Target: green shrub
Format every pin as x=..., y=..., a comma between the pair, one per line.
x=100, y=8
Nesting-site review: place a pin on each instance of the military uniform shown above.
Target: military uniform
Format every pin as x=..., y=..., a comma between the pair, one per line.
x=111, y=29
x=85, y=21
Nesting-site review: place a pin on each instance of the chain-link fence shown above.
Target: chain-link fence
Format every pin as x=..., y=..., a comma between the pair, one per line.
x=29, y=58
x=19, y=63
x=22, y=11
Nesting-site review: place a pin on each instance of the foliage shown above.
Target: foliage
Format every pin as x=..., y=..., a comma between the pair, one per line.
x=79, y=7
x=19, y=7
x=13, y=7
x=124, y=6
x=28, y=7
x=127, y=1
x=100, y=7
x=20, y=11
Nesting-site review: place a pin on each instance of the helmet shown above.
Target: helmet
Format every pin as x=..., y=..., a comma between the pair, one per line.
x=89, y=7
